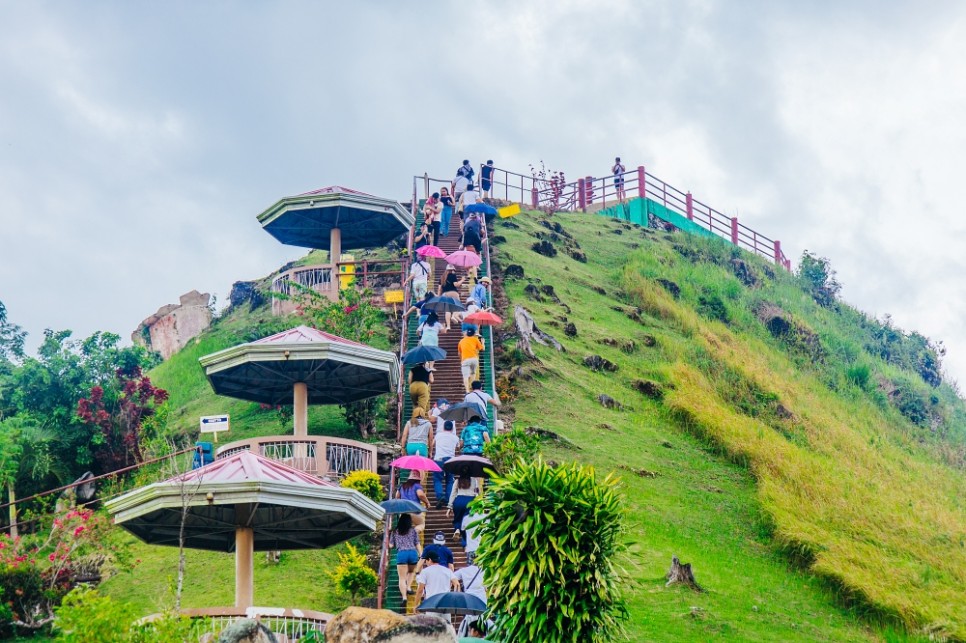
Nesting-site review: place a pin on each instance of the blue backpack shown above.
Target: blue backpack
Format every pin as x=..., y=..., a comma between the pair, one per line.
x=473, y=439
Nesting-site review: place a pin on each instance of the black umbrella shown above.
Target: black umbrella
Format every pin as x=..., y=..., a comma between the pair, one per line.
x=443, y=305
x=459, y=603
x=422, y=354
x=473, y=466
x=463, y=411
x=401, y=506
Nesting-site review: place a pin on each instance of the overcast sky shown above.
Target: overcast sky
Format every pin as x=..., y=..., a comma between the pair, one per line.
x=138, y=140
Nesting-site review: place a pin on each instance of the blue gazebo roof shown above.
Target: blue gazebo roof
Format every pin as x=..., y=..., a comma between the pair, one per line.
x=364, y=220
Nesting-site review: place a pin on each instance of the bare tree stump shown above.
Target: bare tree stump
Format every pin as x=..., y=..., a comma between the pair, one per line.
x=681, y=573
x=529, y=331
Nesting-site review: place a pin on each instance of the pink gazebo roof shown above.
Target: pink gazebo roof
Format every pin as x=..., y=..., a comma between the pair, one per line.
x=335, y=189
x=246, y=466
x=303, y=335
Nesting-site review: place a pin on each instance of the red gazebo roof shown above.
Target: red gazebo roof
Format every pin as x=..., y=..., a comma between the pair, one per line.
x=246, y=466
x=304, y=335
x=335, y=189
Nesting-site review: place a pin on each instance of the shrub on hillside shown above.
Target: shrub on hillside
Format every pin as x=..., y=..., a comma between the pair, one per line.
x=549, y=546
x=365, y=482
x=86, y=615
x=818, y=278
x=353, y=576
x=508, y=447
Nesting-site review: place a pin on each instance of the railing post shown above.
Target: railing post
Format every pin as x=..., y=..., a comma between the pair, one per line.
x=582, y=195
x=641, y=182
x=690, y=203
x=425, y=185
x=589, y=186
x=778, y=253
x=534, y=197
x=734, y=230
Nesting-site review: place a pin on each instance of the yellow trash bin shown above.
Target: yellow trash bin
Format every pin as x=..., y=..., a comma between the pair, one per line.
x=347, y=273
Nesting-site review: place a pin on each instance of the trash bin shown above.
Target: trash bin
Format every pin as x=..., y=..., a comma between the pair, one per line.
x=203, y=455
x=347, y=273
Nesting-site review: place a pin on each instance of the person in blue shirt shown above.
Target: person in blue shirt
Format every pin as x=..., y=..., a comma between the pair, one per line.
x=479, y=293
x=444, y=553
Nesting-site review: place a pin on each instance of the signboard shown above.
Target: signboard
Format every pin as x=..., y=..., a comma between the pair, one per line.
x=214, y=424
x=393, y=296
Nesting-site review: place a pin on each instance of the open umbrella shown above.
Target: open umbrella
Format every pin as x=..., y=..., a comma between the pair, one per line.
x=473, y=466
x=463, y=411
x=480, y=208
x=459, y=603
x=245, y=503
x=416, y=463
x=431, y=251
x=401, y=506
x=422, y=354
x=483, y=318
x=443, y=305
x=464, y=259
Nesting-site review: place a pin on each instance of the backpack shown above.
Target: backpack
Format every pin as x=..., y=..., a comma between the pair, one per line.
x=473, y=226
x=473, y=439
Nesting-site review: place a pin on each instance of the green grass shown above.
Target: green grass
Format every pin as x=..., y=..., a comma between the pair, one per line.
x=836, y=524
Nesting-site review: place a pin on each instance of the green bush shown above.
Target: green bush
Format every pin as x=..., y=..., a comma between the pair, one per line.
x=365, y=482
x=85, y=615
x=353, y=576
x=859, y=374
x=548, y=547
x=818, y=278
x=510, y=446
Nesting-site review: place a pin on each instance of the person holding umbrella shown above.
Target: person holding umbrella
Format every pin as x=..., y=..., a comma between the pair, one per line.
x=478, y=396
x=428, y=333
x=464, y=492
x=419, y=276
x=417, y=307
x=420, y=377
x=417, y=435
x=412, y=491
x=450, y=287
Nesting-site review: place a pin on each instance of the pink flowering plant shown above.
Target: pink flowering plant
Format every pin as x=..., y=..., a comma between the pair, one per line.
x=37, y=570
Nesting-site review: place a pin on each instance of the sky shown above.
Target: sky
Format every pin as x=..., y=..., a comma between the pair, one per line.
x=139, y=140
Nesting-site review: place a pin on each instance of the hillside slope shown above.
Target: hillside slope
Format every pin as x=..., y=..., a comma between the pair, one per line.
x=770, y=441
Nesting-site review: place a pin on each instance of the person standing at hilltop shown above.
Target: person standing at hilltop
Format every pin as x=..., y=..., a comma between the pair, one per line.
x=466, y=170
x=431, y=212
x=486, y=179
x=618, y=171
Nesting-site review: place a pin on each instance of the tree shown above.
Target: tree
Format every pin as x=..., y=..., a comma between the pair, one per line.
x=819, y=278
x=353, y=317
x=118, y=414
x=11, y=337
x=548, y=546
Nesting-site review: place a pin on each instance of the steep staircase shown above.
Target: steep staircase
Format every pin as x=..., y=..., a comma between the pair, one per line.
x=448, y=384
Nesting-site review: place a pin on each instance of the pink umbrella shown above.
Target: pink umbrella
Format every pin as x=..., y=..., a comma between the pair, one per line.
x=484, y=318
x=464, y=259
x=430, y=251
x=415, y=463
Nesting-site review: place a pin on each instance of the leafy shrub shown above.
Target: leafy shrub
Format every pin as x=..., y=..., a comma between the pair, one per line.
x=508, y=447
x=86, y=615
x=818, y=278
x=549, y=546
x=711, y=306
x=353, y=576
x=911, y=351
x=365, y=482
x=859, y=374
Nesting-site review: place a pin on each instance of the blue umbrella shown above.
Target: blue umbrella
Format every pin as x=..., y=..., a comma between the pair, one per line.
x=463, y=411
x=422, y=354
x=452, y=603
x=401, y=506
x=480, y=208
x=443, y=305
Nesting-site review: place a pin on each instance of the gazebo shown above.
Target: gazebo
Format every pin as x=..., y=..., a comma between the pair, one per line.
x=334, y=219
x=242, y=504
x=302, y=366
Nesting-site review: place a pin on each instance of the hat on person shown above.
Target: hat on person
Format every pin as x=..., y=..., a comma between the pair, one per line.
x=441, y=401
x=486, y=280
x=469, y=299
x=471, y=558
x=439, y=538
x=450, y=266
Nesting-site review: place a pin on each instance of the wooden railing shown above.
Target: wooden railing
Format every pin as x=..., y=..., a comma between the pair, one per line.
x=324, y=456
x=287, y=624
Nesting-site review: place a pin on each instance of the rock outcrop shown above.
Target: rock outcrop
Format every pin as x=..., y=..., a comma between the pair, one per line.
x=174, y=325
x=361, y=625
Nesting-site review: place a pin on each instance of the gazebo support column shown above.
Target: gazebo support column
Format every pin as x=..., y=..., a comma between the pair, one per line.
x=300, y=410
x=335, y=250
x=244, y=567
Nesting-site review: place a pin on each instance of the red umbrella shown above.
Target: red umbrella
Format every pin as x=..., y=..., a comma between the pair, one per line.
x=483, y=318
x=430, y=251
x=464, y=259
x=416, y=463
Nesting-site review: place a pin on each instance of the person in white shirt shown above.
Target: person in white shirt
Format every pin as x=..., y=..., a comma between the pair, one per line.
x=480, y=397
x=472, y=532
x=471, y=578
x=459, y=187
x=419, y=275
x=434, y=579
x=445, y=448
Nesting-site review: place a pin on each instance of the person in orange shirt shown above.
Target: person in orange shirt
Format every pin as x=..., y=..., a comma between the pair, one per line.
x=469, y=349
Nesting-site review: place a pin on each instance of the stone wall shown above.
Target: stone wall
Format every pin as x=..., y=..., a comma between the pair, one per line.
x=174, y=325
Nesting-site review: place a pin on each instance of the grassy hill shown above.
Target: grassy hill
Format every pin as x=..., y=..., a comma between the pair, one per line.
x=801, y=457
x=816, y=486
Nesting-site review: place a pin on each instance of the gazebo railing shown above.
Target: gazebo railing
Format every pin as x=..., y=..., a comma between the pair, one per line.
x=286, y=624
x=340, y=456
x=378, y=274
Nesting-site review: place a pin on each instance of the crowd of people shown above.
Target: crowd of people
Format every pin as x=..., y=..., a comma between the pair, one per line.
x=432, y=567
